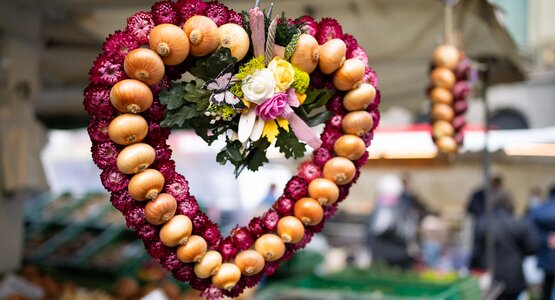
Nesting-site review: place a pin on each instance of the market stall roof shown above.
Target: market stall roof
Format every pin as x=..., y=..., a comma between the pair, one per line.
x=399, y=37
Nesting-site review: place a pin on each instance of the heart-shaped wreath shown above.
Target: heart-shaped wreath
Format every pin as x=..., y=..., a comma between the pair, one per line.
x=247, y=78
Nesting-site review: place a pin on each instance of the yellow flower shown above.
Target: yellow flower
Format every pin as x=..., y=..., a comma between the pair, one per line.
x=301, y=97
x=284, y=74
x=271, y=128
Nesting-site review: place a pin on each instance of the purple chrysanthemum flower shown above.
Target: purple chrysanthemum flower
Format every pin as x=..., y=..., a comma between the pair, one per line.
x=155, y=112
x=105, y=154
x=344, y=191
x=235, y=17
x=147, y=232
x=106, y=71
x=175, y=72
x=361, y=161
x=122, y=201
x=367, y=138
x=200, y=284
x=289, y=253
x=328, y=29
x=370, y=76
x=359, y=53
x=166, y=167
x=321, y=156
x=270, y=219
x=164, y=83
x=271, y=267
x=118, y=44
x=376, y=102
x=227, y=249
x=329, y=137
x=376, y=118
x=284, y=206
x=97, y=100
x=217, y=12
x=178, y=187
x=335, y=122
x=157, y=249
x=163, y=151
x=357, y=176
x=253, y=280
x=135, y=218
x=113, y=180
x=310, y=26
x=255, y=227
x=236, y=290
x=200, y=220
x=212, y=234
x=212, y=293
x=165, y=12
x=170, y=261
x=139, y=26
x=156, y=134
x=329, y=211
x=242, y=238
x=308, y=234
x=296, y=188
x=351, y=43
x=98, y=128
x=189, y=8
x=184, y=273
x=309, y=171
x=189, y=207
x=335, y=105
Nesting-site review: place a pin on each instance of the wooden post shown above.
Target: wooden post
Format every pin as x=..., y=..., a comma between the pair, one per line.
x=21, y=136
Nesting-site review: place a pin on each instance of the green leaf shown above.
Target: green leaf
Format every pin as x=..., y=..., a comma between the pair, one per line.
x=230, y=153
x=319, y=118
x=257, y=155
x=221, y=157
x=316, y=98
x=289, y=144
x=234, y=152
x=286, y=30
x=179, y=116
x=210, y=67
x=172, y=98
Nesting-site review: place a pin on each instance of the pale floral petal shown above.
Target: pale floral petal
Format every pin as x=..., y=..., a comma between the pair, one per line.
x=246, y=125
x=257, y=130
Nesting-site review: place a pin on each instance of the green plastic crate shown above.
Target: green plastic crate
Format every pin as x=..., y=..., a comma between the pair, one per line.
x=365, y=285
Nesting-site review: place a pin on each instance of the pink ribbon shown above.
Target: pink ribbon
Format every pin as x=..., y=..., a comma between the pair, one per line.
x=256, y=18
x=301, y=130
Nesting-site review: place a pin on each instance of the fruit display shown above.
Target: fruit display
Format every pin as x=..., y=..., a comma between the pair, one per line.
x=448, y=92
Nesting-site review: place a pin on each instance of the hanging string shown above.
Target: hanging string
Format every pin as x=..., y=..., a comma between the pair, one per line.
x=449, y=23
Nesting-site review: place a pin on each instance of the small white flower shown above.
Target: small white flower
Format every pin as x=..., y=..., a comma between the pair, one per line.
x=259, y=86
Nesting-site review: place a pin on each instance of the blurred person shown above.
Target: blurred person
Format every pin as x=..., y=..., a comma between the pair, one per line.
x=477, y=209
x=410, y=198
x=533, y=274
x=544, y=219
x=513, y=240
x=270, y=197
x=392, y=226
x=477, y=203
x=535, y=200
x=267, y=201
x=434, y=235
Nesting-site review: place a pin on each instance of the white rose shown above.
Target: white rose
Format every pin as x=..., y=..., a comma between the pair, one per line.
x=259, y=86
